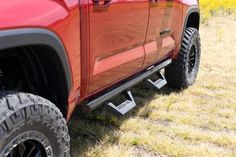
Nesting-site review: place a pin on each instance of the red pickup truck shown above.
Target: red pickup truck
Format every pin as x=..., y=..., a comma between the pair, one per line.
x=58, y=54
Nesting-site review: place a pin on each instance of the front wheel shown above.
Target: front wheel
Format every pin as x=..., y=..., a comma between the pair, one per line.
x=182, y=72
x=31, y=126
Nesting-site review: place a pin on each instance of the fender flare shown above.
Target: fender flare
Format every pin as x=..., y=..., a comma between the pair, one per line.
x=37, y=36
x=192, y=9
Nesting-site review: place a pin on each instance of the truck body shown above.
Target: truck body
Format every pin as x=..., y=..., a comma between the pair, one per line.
x=72, y=51
x=106, y=45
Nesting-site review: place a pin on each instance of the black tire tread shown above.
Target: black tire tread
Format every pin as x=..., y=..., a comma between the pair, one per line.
x=175, y=73
x=16, y=109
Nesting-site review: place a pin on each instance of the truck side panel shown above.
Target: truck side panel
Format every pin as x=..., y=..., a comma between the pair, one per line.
x=187, y=6
x=61, y=17
x=117, y=35
x=164, y=30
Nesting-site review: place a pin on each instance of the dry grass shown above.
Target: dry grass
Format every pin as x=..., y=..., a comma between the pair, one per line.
x=199, y=121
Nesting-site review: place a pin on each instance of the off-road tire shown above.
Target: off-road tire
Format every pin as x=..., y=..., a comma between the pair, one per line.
x=179, y=74
x=28, y=117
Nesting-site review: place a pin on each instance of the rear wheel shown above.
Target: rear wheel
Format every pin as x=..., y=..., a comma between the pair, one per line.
x=184, y=69
x=31, y=126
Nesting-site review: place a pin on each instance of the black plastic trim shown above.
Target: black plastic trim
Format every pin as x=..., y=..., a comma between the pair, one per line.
x=35, y=36
x=192, y=9
x=97, y=102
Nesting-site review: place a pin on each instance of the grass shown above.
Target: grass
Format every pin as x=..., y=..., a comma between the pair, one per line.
x=211, y=8
x=198, y=121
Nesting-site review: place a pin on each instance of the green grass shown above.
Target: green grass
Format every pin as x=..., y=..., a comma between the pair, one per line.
x=198, y=121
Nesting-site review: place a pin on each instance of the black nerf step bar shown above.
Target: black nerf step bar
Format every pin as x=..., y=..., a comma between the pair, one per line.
x=99, y=100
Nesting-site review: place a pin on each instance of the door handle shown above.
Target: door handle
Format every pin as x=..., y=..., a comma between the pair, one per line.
x=154, y=1
x=101, y=5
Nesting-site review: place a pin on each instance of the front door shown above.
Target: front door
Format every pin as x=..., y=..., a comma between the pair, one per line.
x=117, y=35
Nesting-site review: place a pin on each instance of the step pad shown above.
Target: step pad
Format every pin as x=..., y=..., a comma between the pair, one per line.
x=158, y=84
x=124, y=107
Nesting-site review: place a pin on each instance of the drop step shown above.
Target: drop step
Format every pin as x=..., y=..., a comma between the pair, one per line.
x=159, y=83
x=124, y=107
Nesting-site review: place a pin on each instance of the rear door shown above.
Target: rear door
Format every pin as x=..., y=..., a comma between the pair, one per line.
x=117, y=35
x=163, y=29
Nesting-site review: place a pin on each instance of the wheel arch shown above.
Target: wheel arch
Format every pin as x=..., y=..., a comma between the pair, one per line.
x=55, y=56
x=192, y=19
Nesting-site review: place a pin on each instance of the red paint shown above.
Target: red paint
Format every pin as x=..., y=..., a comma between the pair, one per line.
x=117, y=35
x=107, y=44
x=61, y=17
x=163, y=15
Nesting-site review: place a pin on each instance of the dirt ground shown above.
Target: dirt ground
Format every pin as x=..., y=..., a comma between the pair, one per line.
x=199, y=121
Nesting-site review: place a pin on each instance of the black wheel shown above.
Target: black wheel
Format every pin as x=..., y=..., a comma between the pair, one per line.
x=31, y=126
x=182, y=72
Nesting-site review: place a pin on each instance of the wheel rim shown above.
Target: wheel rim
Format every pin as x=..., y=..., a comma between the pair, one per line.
x=28, y=148
x=28, y=144
x=192, y=59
